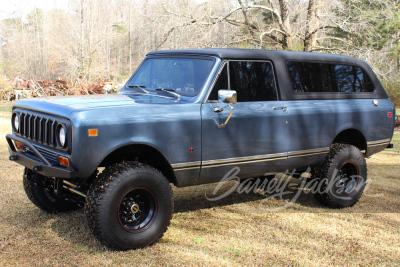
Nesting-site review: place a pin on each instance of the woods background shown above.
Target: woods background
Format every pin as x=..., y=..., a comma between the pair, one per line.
x=106, y=40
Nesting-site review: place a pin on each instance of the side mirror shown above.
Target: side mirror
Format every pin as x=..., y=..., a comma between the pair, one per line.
x=227, y=96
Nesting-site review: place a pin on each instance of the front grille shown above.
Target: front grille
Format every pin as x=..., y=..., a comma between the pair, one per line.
x=50, y=157
x=32, y=156
x=41, y=129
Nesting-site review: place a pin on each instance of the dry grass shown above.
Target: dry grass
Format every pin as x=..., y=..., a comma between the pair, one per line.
x=235, y=231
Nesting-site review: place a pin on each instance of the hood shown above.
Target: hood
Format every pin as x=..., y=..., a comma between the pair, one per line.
x=63, y=106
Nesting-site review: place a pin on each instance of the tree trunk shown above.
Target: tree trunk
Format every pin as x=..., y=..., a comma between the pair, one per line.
x=287, y=38
x=82, y=55
x=247, y=20
x=130, y=38
x=313, y=22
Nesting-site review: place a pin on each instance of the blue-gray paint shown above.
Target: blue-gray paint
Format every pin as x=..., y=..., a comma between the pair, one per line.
x=173, y=126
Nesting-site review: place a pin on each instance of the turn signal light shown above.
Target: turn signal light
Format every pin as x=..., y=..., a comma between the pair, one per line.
x=92, y=132
x=63, y=161
x=19, y=145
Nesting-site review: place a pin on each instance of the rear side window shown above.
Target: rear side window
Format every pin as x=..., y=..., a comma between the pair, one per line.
x=309, y=77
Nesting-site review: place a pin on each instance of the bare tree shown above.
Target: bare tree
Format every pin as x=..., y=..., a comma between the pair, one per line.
x=100, y=39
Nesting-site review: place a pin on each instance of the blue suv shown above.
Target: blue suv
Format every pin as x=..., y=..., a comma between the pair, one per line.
x=187, y=117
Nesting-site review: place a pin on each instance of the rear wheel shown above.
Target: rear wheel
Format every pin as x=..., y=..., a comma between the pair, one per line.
x=129, y=206
x=40, y=191
x=343, y=176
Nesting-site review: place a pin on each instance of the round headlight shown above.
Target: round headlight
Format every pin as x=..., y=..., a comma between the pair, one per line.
x=62, y=135
x=16, y=122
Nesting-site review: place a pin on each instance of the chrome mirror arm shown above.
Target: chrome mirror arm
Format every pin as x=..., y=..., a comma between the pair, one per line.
x=224, y=124
x=229, y=97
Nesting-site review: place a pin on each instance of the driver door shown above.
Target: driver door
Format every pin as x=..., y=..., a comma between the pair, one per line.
x=256, y=137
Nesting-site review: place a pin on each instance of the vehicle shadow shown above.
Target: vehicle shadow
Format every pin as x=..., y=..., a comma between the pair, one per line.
x=281, y=195
x=230, y=193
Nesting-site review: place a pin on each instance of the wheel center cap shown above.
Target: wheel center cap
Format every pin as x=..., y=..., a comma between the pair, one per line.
x=134, y=208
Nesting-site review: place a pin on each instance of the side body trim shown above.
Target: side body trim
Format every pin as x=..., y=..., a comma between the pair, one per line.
x=378, y=142
x=308, y=152
x=186, y=166
x=247, y=160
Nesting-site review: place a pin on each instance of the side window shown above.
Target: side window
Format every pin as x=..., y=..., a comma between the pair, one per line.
x=309, y=77
x=352, y=79
x=252, y=80
x=328, y=78
x=221, y=83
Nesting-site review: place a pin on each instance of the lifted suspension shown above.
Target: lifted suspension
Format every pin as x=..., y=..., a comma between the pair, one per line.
x=60, y=184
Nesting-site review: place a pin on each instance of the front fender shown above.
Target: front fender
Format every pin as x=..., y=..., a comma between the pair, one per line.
x=170, y=129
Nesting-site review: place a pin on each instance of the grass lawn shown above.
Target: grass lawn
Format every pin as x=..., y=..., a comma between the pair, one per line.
x=235, y=231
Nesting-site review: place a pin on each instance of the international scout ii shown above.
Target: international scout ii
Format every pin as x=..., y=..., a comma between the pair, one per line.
x=187, y=117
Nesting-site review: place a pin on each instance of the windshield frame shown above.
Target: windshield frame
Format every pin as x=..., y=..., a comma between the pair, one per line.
x=126, y=88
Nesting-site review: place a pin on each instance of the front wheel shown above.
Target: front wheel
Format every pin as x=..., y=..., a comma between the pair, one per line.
x=129, y=206
x=343, y=176
x=40, y=192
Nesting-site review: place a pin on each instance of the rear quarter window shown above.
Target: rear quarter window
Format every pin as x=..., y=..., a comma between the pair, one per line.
x=311, y=77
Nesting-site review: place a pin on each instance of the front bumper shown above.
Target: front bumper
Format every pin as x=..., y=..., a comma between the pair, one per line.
x=35, y=161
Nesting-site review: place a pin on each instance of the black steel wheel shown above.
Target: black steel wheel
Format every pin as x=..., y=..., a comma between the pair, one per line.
x=348, y=178
x=343, y=176
x=39, y=190
x=129, y=206
x=137, y=210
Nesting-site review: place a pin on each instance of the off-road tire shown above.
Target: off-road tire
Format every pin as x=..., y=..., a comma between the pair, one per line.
x=108, y=195
x=342, y=162
x=40, y=193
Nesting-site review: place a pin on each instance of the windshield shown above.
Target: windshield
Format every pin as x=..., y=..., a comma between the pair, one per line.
x=185, y=76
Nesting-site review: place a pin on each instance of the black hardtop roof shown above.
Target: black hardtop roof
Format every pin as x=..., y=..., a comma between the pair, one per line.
x=254, y=54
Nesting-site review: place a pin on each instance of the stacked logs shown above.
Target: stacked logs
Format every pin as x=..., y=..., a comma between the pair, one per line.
x=25, y=88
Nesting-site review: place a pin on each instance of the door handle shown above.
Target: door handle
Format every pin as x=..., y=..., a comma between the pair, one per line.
x=278, y=108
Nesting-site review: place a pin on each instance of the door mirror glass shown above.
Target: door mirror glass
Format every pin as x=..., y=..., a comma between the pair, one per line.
x=227, y=96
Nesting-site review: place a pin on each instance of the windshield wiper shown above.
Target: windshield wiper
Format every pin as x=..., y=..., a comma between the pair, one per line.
x=171, y=91
x=139, y=87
